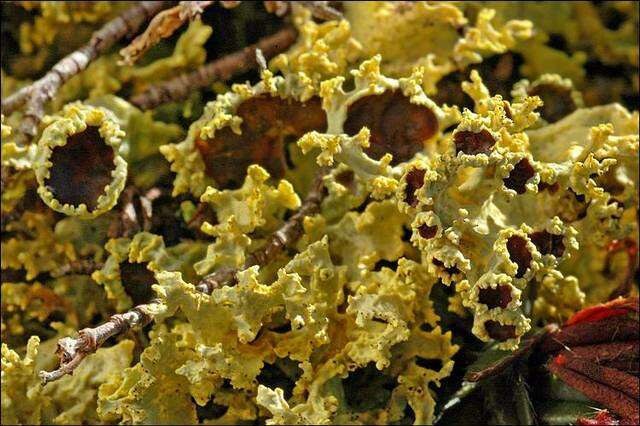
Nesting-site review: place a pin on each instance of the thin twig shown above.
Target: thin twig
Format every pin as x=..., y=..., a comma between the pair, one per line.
x=319, y=9
x=43, y=90
x=163, y=25
x=72, y=351
x=222, y=69
x=131, y=220
x=77, y=267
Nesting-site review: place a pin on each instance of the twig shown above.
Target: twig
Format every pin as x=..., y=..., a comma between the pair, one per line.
x=72, y=351
x=127, y=222
x=319, y=9
x=41, y=91
x=260, y=60
x=224, y=68
x=163, y=25
x=77, y=267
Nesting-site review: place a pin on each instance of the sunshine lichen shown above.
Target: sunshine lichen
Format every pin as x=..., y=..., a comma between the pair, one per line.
x=328, y=237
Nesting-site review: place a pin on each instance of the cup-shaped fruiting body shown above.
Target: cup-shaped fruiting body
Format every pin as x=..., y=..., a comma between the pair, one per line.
x=401, y=119
x=377, y=125
x=128, y=272
x=558, y=95
x=249, y=125
x=80, y=165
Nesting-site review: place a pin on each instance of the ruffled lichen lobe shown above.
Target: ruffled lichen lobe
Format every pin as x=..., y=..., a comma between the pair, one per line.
x=395, y=189
x=80, y=163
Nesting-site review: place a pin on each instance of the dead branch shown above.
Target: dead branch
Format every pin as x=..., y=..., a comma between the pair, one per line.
x=319, y=9
x=77, y=267
x=36, y=95
x=163, y=25
x=72, y=351
x=222, y=69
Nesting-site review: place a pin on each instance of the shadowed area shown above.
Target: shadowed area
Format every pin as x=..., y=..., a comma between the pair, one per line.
x=557, y=100
x=495, y=297
x=368, y=388
x=500, y=332
x=268, y=124
x=397, y=126
x=521, y=173
x=81, y=169
x=472, y=143
x=137, y=281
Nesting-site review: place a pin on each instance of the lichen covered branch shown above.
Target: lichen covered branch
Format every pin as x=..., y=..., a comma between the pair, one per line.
x=71, y=351
x=221, y=69
x=43, y=90
x=287, y=235
x=77, y=267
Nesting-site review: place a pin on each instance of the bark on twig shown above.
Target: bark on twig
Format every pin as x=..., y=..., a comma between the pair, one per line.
x=136, y=212
x=72, y=351
x=43, y=90
x=77, y=267
x=319, y=9
x=221, y=69
x=163, y=25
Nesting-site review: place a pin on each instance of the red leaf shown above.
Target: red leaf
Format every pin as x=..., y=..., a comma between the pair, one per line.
x=620, y=306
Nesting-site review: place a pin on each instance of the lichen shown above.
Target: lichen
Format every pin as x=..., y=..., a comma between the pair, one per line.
x=397, y=191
